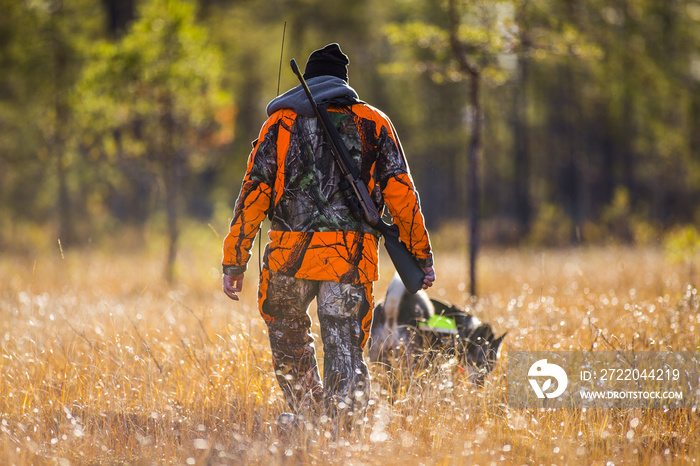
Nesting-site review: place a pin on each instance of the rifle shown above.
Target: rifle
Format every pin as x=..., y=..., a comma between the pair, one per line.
x=361, y=203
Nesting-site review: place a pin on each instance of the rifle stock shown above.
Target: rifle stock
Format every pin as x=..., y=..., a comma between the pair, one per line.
x=411, y=273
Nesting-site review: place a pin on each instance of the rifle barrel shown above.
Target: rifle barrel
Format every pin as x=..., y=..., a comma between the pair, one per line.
x=410, y=272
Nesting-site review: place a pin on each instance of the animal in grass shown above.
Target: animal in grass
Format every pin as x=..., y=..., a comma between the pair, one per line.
x=421, y=328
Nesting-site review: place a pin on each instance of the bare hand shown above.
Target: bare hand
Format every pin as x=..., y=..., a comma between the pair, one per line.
x=429, y=277
x=232, y=285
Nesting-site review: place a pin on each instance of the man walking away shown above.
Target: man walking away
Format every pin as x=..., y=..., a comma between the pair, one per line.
x=318, y=249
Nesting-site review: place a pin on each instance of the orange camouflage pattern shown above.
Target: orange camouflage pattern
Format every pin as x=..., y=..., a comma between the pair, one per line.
x=291, y=178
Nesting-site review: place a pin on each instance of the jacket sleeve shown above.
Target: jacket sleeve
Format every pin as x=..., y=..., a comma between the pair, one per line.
x=254, y=200
x=401, y=197
x=403, y=203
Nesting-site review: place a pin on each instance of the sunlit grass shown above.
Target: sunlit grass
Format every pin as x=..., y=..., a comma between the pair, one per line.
x=103, y=362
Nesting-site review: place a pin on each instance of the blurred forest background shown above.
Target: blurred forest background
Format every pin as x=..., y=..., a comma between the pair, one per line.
x=553, y=122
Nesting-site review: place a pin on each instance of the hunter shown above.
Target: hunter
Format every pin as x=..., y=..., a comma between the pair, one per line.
x=318, y=249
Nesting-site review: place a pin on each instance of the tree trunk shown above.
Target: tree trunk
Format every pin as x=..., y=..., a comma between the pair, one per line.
x=119, y=14
x=473, y=71
x=172, y=217
x=474, y=184
x=521, y=135
x=57, y=143
x=521, y=142
x=171, y=185
x=572, y=176
x=694, y=134
x=629, y=126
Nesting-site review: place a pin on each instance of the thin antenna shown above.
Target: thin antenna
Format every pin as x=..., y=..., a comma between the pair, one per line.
x=279, y=78
x=279, y=75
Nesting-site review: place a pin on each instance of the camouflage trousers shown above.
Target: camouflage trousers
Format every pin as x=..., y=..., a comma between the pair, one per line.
x=345, y=318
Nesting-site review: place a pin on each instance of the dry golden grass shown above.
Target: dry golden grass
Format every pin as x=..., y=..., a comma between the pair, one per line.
x=101, y=362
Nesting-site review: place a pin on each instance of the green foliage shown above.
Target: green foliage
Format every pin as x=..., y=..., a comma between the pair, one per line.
x=164, y=68
x=150, y=100
x=41, y=44
x=619, y=224
x=484, y=32
x=682, y=245
x=616, y=216
x=552, y=228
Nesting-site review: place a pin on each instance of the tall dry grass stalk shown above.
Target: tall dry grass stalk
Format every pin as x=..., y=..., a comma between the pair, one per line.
x=101, y=362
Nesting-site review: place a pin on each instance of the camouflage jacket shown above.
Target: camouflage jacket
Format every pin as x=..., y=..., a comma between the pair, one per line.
x=293, y=178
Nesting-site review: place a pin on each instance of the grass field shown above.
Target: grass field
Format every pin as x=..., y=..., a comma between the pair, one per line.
x=101, y=362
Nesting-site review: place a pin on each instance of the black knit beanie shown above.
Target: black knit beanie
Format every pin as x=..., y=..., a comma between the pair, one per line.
x=328, y=61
